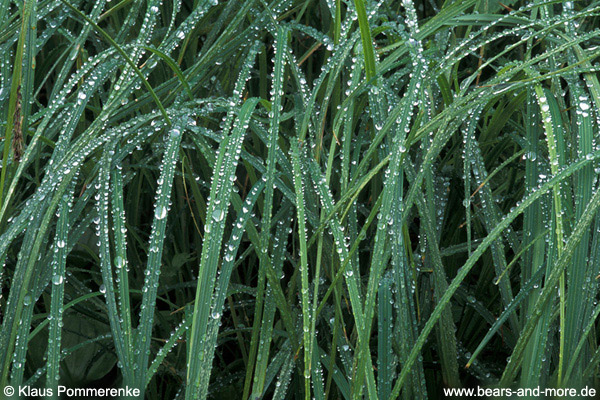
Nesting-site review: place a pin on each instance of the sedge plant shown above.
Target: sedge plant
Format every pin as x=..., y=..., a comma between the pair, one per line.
x=297, y=199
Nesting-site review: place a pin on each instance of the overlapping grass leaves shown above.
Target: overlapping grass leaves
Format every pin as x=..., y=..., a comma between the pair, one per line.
x=287, y=198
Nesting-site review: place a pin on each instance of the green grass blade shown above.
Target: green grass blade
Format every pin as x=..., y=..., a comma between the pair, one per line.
x=58, y=288
x=220, y=191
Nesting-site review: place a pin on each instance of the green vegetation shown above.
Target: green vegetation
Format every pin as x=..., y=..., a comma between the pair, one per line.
x=298, y=199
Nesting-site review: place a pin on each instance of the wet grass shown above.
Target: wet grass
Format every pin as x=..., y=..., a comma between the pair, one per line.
x=299, y=199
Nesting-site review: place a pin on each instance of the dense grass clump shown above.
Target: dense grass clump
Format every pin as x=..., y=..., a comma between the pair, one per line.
x=296, y=199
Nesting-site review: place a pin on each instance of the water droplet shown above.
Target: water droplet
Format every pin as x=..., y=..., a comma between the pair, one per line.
x=218, y=214
x=119, y=262
x=57, y=279
x=161, y=212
